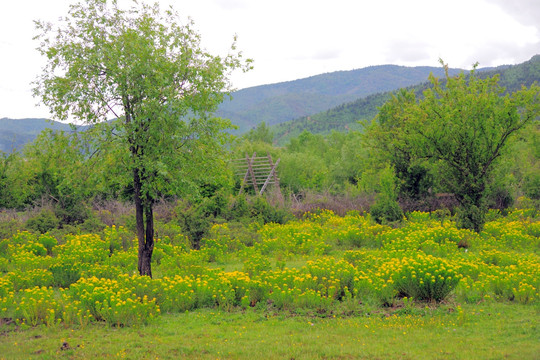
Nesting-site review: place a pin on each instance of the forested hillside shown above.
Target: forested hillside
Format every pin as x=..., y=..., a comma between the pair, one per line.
x=272, y=104
x=277, y=103
x=14, y=134
x=319, y=104
x=347, y=116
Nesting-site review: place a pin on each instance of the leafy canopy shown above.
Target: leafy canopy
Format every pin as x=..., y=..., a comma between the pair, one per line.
x=141, y=66
x=463, y=124
x=147, y=70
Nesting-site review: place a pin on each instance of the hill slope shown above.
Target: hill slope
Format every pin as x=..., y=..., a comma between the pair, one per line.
x=277, y=103
x=321, y=103
x=347, y=116
x=15, y=133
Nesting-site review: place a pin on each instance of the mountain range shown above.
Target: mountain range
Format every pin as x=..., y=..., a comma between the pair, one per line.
x=348, y=116
x=286, y=101
x=320, y=104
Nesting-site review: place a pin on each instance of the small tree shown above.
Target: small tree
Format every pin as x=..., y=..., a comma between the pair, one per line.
x=386, y=209
x=463, y=124
x=148, y=71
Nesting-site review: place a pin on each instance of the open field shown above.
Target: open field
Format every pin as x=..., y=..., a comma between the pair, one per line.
x=489, y=331
x=322, y=287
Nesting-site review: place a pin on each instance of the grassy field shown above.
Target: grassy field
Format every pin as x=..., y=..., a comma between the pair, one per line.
x=488, y=331
x=323, y=287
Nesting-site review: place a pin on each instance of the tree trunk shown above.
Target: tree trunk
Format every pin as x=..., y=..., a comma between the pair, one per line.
x=145, y=236
x=472, y=211
x=145, y=262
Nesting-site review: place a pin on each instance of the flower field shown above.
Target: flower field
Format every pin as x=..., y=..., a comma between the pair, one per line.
x=321, y=263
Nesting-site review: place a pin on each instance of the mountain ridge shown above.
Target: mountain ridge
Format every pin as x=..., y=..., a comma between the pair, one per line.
x=319, y=103
x=346, y=116
x=285, y=101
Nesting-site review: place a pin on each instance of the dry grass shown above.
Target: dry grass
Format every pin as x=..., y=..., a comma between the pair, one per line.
x=339, y=204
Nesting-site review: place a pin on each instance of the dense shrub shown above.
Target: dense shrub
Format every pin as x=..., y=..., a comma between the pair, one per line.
x=323, y=263
x=426, y=278
x=44, y=221
x=386, y=209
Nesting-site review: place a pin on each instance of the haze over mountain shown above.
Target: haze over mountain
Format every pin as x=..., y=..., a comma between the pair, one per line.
x=320, y=104
x=15, y=133
x=277, y=103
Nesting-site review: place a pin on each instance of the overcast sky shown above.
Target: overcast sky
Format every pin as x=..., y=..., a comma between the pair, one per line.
x=292, y=39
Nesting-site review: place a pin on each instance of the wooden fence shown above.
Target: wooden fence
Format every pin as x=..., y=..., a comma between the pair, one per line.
x=257, y=171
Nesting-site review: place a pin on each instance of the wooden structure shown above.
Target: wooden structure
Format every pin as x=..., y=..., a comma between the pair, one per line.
x=258, y=172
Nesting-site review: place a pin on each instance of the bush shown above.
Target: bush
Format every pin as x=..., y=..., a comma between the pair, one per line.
x=267, y=213
x=48, y=242
x=43, y=222
x=194, y=221
x=256, y=264
x=426, y=278
x=64, y=274
x=9, y=228
x=386, y=208
x=385, y=211
x=471, y=217
x=531, y=185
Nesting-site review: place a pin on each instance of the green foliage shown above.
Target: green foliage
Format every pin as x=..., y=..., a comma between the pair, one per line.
x=195, y=220
x=55, y=171
x=464, y=125
x=256, y=264
x=64, y=274
x=345, y=116
x=261, y=133
x=48, y=241
x=386, y=208
x=261, y=210
x=8, y=228
x=426, y=278
x=422, y=260
x=146, y=69
x=43, y=222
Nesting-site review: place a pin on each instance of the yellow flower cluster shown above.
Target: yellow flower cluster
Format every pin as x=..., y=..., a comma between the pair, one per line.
x=331, y=259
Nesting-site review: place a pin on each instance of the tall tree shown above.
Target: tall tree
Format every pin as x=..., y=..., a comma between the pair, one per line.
x=463, y=124
x=142, y=67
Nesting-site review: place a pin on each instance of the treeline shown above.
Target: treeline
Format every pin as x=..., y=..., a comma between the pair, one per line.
x=460, y=138
x=348, y=163
x=63, y=171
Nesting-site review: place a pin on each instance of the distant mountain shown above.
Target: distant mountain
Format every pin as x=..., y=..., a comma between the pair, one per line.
x=346, y=116
x=273, y=104
x=15, y=133
x=277, y=103
x=320, y=104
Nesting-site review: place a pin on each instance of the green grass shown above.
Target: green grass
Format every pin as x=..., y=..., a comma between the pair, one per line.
x=485, y=331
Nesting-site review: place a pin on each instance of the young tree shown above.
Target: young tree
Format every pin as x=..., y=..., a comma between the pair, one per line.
x=142, y=67
x=260, y=133
x=464, y=124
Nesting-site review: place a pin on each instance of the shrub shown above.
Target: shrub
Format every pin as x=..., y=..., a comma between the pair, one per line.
x=385, y=211
x=31, y=278
x=48, y=242
x=267, y=213
x=386, y=207
x=44, y=221
x=426, y=278
x=64, y=274
x=37, y=306
x=256, y=264
x=9, y=228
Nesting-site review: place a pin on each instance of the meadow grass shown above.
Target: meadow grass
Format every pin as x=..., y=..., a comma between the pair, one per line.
x=484, y=331
x=325, y=287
